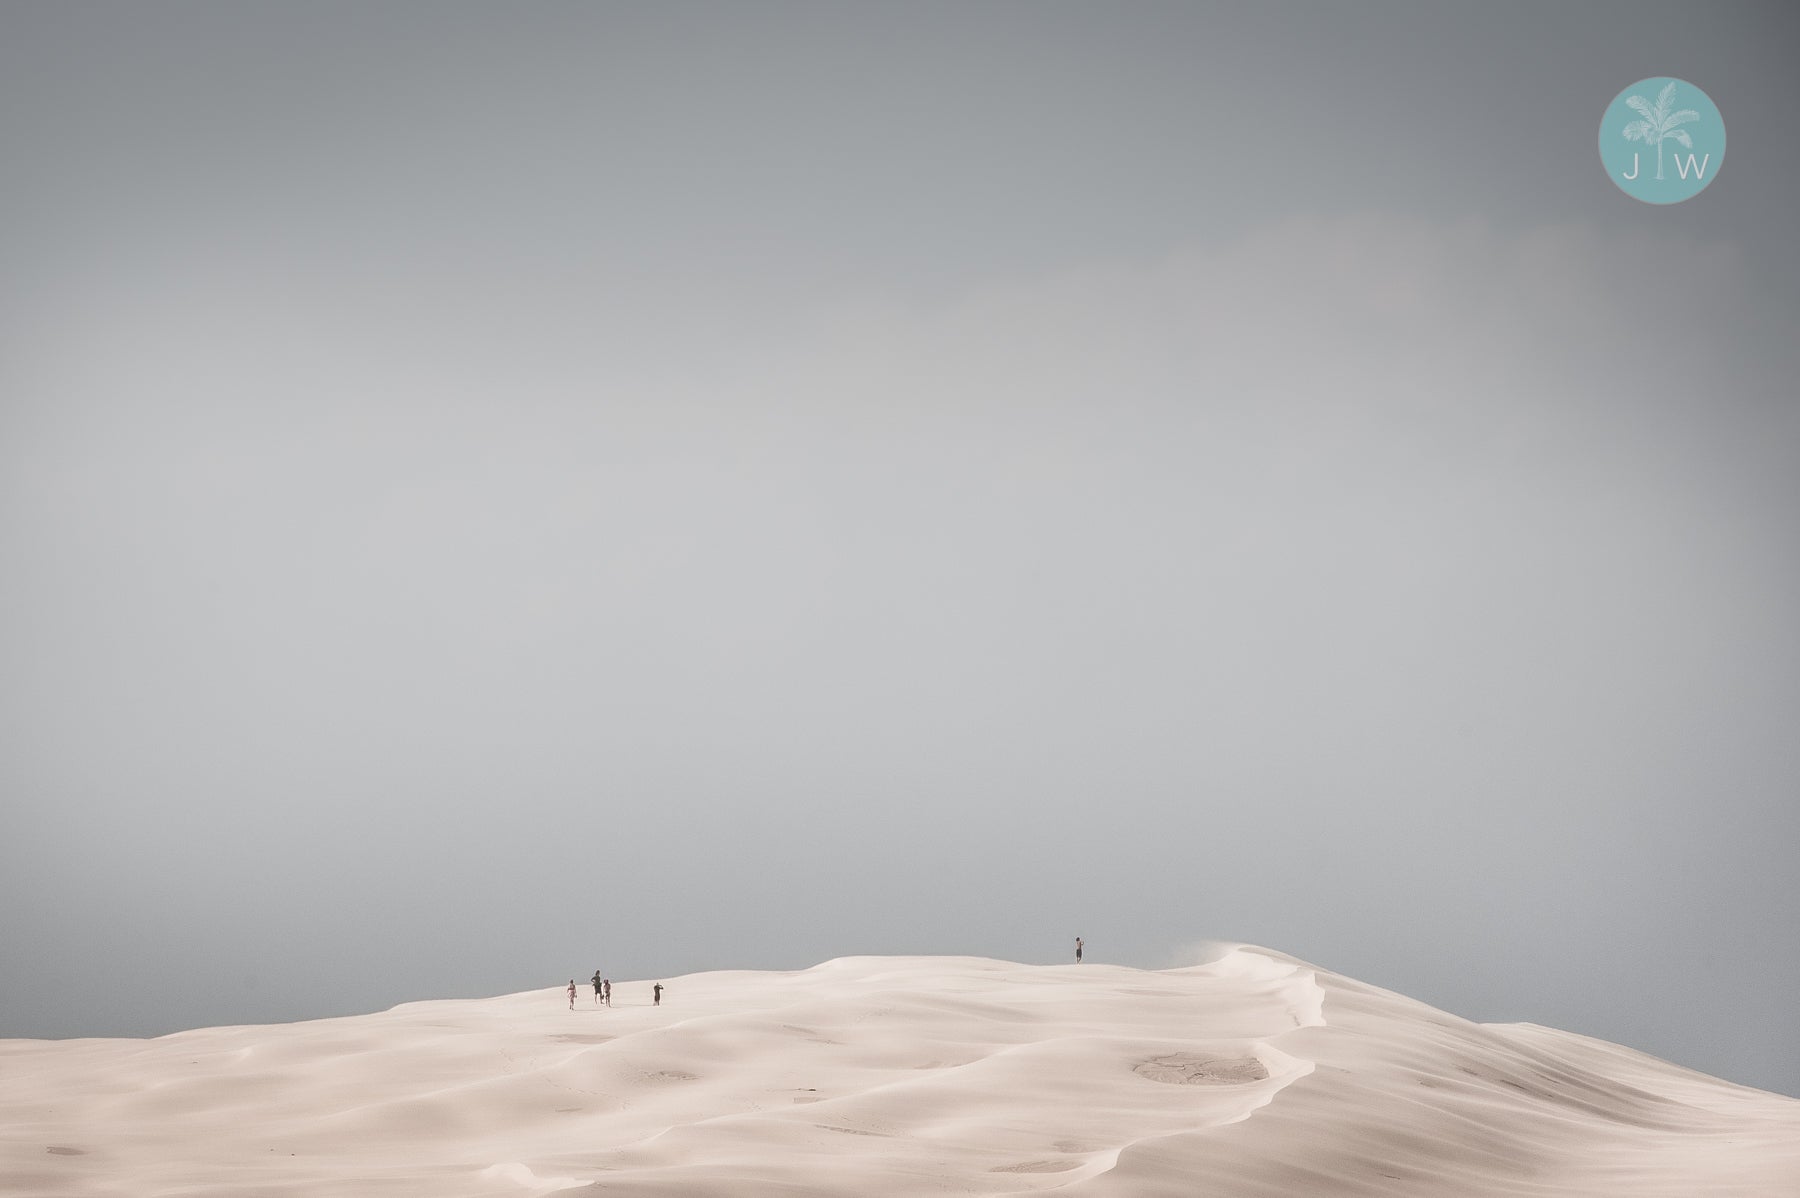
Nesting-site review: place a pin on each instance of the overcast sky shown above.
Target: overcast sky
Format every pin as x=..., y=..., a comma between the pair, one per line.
x=489, y=493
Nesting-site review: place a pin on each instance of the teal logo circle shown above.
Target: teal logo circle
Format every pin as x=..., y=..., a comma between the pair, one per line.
x=1662, y=140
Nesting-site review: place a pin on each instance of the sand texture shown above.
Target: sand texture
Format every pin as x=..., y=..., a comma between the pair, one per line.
x=1248, y=1076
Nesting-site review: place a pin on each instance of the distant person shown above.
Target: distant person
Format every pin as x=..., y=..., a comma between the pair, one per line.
x=596, y=985
x=1077, y=950
x=656, y=995
x=571, y=994
x=606, y=991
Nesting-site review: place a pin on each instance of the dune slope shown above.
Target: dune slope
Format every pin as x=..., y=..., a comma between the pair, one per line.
x=1252, y=1075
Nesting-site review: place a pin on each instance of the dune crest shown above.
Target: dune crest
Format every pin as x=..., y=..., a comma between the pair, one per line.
x=1254, y=1073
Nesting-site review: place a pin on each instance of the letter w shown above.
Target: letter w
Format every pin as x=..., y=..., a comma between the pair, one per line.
x=1699, y=171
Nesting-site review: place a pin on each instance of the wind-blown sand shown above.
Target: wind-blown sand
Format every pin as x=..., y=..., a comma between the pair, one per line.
x=1252, y=1075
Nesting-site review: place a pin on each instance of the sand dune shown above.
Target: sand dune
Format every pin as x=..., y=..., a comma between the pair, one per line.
x=1252, y=1075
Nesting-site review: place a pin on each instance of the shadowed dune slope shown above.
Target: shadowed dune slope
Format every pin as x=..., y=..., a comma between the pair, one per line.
x=1251, y=1075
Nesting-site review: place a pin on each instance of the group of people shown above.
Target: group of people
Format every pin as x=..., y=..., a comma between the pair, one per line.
x=603, y=992
x=603, y=986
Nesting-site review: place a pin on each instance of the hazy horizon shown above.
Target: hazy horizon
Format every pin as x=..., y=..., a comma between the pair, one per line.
x=489, y=495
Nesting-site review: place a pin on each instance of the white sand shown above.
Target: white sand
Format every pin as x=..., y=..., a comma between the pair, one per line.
x=1253, y=1075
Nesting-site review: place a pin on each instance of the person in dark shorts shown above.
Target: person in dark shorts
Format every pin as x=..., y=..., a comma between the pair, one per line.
x=596, y=985
x=1077, y=950
x=656, y=995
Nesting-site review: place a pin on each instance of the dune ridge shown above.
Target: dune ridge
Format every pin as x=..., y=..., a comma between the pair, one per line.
x=1252, y=1074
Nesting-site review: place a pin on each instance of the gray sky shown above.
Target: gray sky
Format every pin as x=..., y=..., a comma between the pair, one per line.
x=488, y=493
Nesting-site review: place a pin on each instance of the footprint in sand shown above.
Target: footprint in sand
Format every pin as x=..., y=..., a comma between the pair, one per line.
x=1037, y=1167
x=1193, y=1069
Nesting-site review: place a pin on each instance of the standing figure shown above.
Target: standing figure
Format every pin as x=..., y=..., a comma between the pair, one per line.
x=571, y=994
x=596, y=985
x=656, y=995
x=606, y=991
x=1077, y=950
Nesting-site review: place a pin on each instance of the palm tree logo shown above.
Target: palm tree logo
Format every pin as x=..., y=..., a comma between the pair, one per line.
x=1660, y=122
